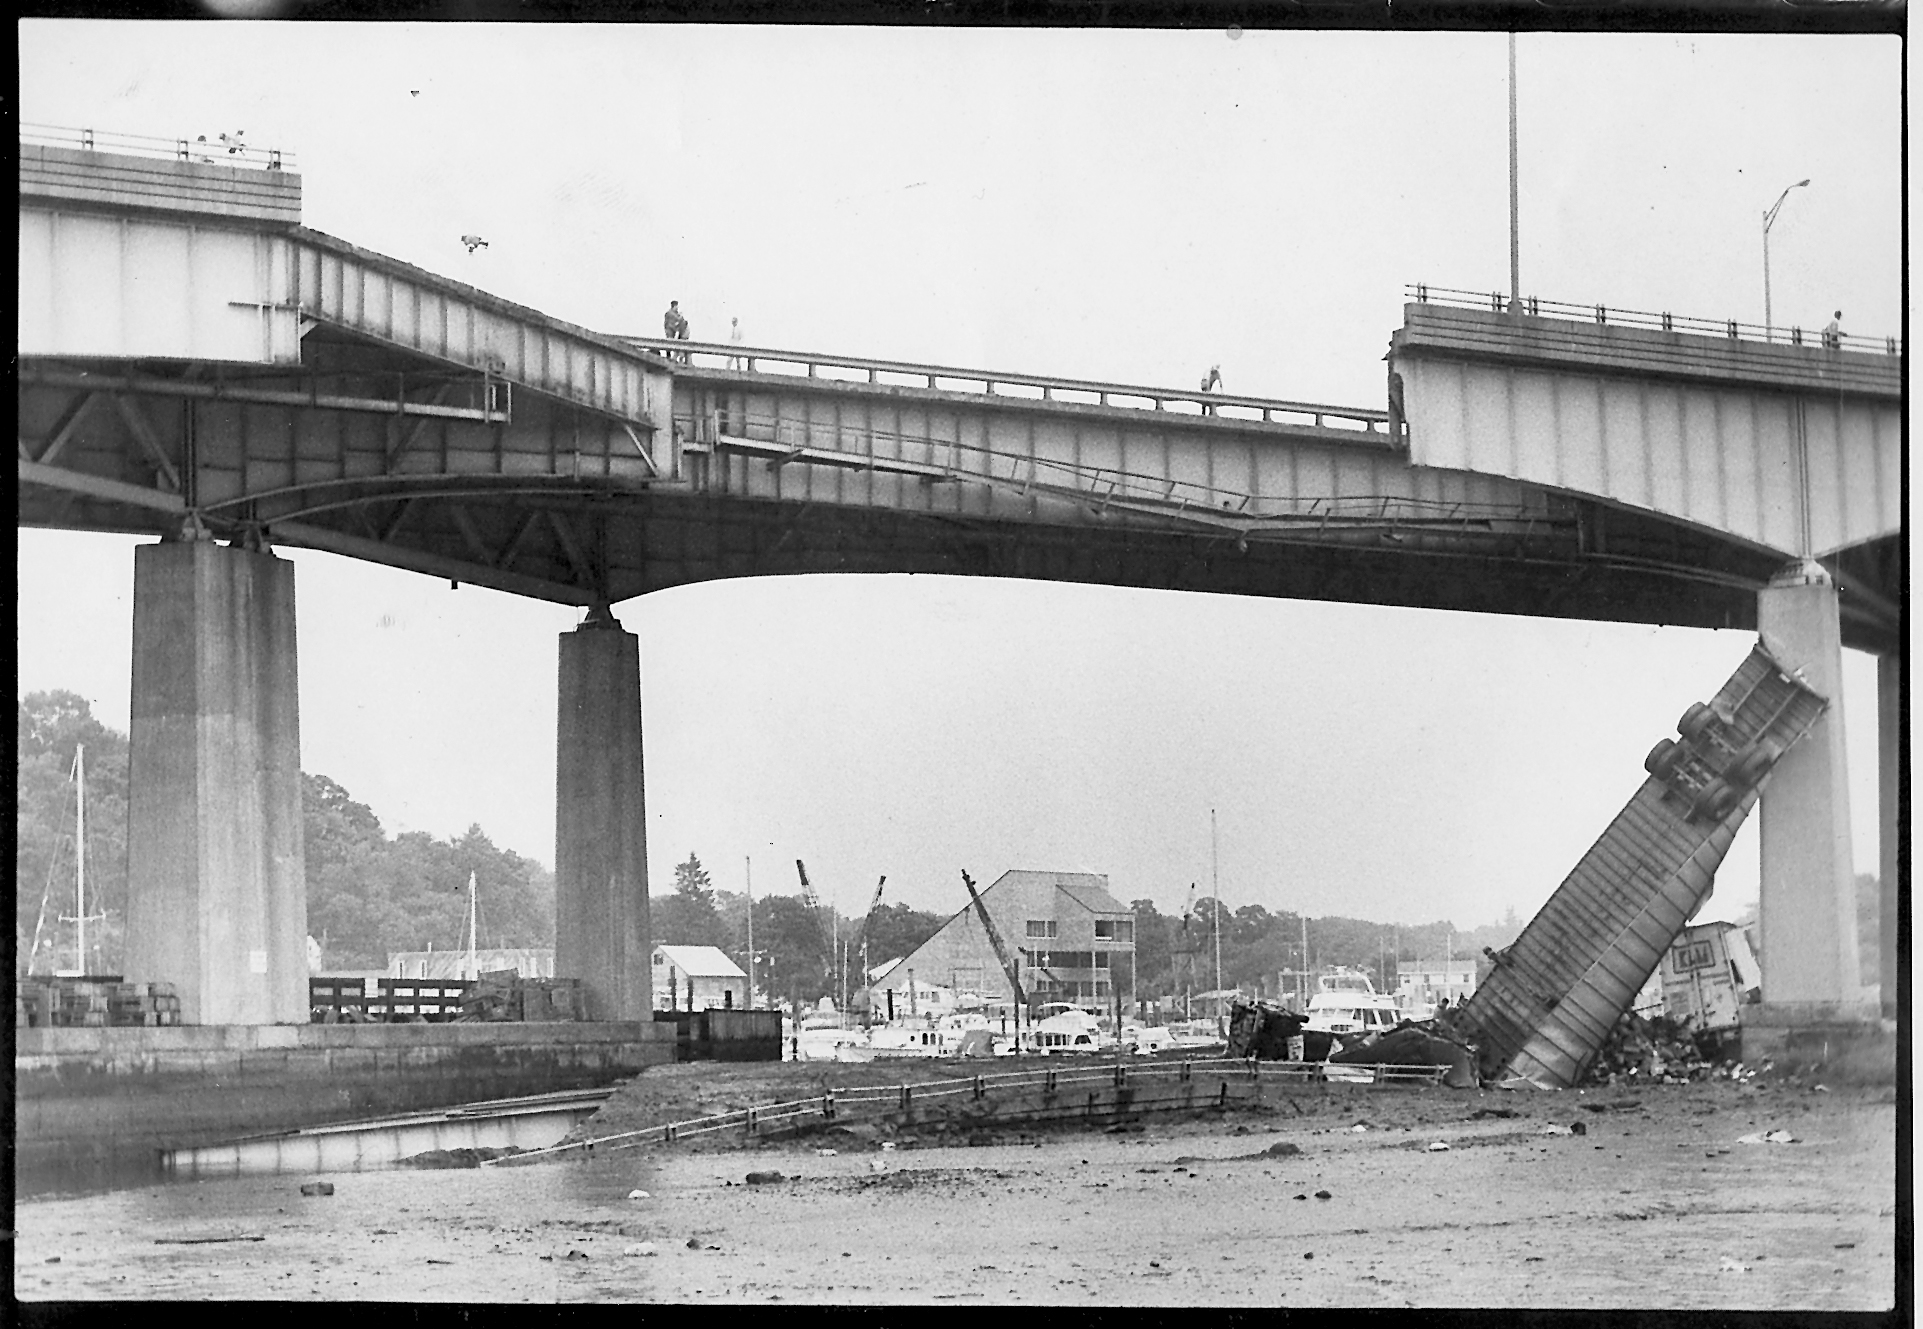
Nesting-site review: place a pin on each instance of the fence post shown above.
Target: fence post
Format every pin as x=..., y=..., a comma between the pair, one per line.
x=828, y=1106
x=1121, y=1075
x=751, y=1119
x=981, y=1089
x=1048, y=1085
x=1222, y=1100
x=906, y=1091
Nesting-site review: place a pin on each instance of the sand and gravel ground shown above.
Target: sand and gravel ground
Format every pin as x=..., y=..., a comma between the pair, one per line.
x=1655, y=1205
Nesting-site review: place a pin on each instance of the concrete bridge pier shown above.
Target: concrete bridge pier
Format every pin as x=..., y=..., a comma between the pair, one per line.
x=1889, y=773
x=1813, y=1010
x=600, y=823
x=216, y=877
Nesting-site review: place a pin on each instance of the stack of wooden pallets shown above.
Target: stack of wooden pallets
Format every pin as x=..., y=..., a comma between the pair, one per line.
x=94, y=1001
x=505, y=995
x=147, y=1004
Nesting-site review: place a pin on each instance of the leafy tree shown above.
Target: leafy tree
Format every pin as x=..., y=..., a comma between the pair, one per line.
x=797, y=952
x=895, y=930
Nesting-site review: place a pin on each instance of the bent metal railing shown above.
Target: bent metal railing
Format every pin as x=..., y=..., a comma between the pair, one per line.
x=835, y=1104
x=732, y=356
x=1536, y=307
x=781, y=441
x=224, y=150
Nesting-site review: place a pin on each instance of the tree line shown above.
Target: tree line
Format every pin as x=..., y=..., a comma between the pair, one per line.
x=370, y=893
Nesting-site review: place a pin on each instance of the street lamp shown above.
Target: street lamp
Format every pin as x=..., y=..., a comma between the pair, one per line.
x=1769, y=219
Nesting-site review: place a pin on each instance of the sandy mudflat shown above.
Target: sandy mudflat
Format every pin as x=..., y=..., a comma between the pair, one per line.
x=1656, y=1205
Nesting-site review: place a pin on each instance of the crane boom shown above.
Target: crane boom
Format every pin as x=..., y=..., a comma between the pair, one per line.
x=995, y=940
x=813, y=901
x=873, y=905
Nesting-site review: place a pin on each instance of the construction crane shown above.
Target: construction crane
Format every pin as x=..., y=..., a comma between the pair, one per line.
x=995, y=940
x=813, y=901
x=867, y=920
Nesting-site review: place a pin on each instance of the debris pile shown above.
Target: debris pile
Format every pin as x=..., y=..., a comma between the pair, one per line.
x=1413, y=1044
x=43, y=1002
x=1270, y=1031
x=1661, y=1050
x=504, y=995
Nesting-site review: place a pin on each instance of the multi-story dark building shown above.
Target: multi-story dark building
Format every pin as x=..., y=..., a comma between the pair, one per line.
x=1074, y=942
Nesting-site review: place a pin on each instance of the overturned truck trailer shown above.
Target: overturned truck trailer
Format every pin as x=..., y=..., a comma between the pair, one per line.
x=1557, y=991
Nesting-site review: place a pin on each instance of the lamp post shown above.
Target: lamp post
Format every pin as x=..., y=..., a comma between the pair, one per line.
x=1769, y=220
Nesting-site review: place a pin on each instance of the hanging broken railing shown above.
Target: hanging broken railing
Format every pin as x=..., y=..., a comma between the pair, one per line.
x=1052, y=1083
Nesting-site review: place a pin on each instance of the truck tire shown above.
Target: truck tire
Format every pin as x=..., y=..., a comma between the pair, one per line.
x=1663, y=759
x=1695, y=721
x=1716, y=801
x=1753, y=764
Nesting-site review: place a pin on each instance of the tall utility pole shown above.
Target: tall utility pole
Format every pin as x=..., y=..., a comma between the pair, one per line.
x=80, y=856
x=1769, y=220
x=1305, y=962
x=1215, y=911
x=1515, y=225
x=748, y=871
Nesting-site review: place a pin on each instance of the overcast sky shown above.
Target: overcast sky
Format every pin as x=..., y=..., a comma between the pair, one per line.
x=1128, y=206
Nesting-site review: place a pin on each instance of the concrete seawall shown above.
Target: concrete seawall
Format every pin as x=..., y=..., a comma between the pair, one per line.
x=93, y=1107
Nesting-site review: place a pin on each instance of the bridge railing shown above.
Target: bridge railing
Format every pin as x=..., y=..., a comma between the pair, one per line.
x=1536, y=307
x=1035, y=387
x=221, y=150
x=783, y=440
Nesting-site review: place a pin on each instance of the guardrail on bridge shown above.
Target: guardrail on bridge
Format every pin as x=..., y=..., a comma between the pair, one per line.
x=1536, y=307
x=734, y=357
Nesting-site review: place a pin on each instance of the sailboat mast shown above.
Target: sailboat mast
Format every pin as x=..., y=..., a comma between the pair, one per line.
x=472, y=918
x=80, y=855
x=1215, y=911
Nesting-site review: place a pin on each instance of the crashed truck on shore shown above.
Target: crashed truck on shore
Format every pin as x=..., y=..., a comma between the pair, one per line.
x=1555, y=994
x=1557, y=991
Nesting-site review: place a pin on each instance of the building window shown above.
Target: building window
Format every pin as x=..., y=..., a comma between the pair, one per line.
x=1101, y=959
x=1041, y=927
x=1115, y=929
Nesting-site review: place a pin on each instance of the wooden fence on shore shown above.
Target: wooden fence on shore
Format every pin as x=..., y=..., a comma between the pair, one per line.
x=1057, y=1094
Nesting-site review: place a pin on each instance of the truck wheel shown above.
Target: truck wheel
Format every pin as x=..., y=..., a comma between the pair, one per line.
x=1695, y=721
x=1716, y=801
x=1663, y=759
x=1753, y=764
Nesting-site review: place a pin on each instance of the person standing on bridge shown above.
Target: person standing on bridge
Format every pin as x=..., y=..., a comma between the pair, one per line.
x=675, y=326
x=1210, y=382
x=1833, y=334
x=734, y=335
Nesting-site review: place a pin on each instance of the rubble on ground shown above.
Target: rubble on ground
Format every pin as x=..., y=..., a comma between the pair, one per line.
x=1661, y=1050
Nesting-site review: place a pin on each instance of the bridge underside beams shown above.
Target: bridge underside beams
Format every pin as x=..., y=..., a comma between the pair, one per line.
x=134, y=447
x=1725, y=457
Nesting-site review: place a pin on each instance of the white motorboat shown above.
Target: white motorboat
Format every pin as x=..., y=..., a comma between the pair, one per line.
x=1146, y=1040
x=1347, y=1005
